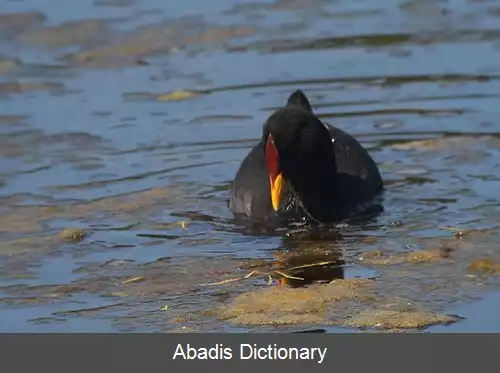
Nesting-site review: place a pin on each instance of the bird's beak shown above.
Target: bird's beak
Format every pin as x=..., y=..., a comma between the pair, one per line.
x=275, y=176
x=276, y=190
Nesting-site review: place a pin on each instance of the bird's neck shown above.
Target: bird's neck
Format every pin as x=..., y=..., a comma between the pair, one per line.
x=314, y=193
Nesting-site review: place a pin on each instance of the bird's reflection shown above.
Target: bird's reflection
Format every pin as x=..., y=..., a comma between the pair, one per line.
x=308, y=253
x=303, y=262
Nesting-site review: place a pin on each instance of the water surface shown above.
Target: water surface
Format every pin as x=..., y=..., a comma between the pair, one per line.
x=90, y=138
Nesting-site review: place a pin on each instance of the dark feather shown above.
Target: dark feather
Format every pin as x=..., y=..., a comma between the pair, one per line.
x=325, y=180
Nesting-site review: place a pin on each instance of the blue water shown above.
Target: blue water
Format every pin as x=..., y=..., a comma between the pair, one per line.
x=128, y=168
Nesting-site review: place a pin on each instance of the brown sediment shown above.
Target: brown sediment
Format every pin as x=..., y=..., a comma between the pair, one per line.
x=12, y=23
x=270, y=319
x=30, y=219
x=368, y=240
x=289, y=305
x=7, y=65
x=433, y=144
x=486, y=265
x=254, y=263
x=390, y=319
x=153, y=40
x=72, y=234
x=29, y=244
x=70, y=33
x=294, y=4
x=115, y=3
x=378, y=257
x=22, y=87
x=199, y=241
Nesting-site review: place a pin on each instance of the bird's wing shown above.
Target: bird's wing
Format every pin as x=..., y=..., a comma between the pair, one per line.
x=250, y=193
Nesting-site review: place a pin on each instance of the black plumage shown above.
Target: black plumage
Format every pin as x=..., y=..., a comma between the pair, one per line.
x=320, y=172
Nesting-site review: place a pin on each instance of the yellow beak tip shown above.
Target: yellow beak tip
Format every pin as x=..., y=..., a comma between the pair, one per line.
x=276, y=191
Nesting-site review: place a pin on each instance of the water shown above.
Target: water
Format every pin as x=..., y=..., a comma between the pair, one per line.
x=86, y=143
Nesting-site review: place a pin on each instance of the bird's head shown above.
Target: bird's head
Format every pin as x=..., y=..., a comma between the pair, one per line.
x=298, y=149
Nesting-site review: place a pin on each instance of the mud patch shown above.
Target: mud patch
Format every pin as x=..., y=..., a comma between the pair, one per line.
x=130, y=292
x=24, y=246
x=295, y=4
x=72, y=234
x=12, y=120
x=390, y=319
x=155, y=40
x=32, y=219
x=23, y=87
x=450, y=142
x=377, y=257
x=282, y=305
x=32, y=143
x=13, y=23
x=485, y=266
x=79, y=33
x=115, y=3
x=7, y=65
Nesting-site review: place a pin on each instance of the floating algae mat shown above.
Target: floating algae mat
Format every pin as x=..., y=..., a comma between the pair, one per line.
x=346, y=303
x=394, y=319
x=178, y=95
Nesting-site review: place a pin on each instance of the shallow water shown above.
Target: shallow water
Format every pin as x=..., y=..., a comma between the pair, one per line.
x=91, y=138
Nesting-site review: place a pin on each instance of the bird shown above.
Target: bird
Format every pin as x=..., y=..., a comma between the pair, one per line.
x=303, y=169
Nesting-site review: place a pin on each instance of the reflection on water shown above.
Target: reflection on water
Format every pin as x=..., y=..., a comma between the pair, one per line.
x=124, y=122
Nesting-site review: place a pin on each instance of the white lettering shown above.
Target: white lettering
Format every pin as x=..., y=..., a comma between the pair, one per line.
x=273, y=352
x=242, y=355
x=179, y=351
x=322, y=355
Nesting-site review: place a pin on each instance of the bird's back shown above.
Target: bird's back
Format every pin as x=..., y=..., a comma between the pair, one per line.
x=353, y=159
